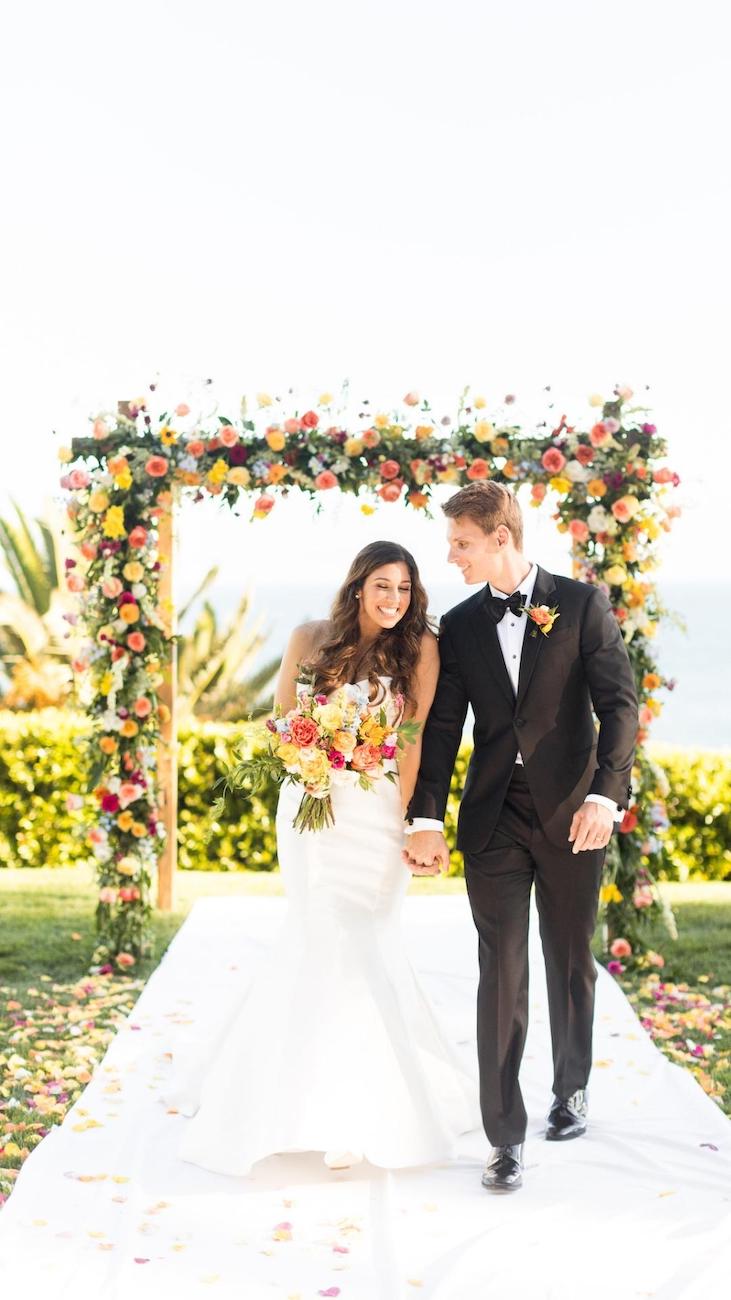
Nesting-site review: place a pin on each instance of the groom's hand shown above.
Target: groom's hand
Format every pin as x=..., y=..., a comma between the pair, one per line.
x=591, y=827
x=426, y=854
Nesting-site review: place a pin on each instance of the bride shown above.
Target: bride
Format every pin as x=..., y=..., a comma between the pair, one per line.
x=336, y=1049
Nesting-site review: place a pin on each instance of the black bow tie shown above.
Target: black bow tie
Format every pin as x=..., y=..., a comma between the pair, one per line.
x=497, y=607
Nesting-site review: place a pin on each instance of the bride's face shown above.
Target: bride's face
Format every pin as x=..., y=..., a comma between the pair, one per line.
x=384, y=598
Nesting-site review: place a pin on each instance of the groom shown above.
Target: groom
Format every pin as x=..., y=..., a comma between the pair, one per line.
x=533, y=654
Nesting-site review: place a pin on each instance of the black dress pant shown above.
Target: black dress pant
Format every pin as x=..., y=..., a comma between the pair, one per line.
x=499, y=880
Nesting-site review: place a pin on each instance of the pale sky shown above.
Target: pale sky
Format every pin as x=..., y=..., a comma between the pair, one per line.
x=408, y=194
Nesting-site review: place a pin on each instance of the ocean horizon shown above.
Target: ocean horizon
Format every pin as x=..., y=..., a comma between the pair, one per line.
x=692, y=647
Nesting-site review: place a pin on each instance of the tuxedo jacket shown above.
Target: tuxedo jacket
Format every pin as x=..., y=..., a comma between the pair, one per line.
x=580, y=668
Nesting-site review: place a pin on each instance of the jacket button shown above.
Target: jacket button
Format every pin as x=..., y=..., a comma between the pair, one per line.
x=519, y=722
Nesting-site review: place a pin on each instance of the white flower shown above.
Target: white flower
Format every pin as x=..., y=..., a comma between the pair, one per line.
x=139, y=590
x=598, y=519
x=577, y=472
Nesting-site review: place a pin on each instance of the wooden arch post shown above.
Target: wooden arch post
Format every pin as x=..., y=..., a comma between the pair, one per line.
x=167, y=759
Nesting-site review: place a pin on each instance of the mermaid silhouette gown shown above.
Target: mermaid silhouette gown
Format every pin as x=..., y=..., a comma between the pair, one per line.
x=335, y=1046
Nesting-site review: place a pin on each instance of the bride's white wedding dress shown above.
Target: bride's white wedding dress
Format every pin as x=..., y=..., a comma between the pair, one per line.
x=335, y=1047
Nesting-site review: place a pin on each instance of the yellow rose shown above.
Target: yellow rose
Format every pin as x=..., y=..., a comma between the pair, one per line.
x=218, y=471
x=239, y=476
x=98, y=502
x=484, y=431
x=325, y=399
x=596, y=400
x=275, y=439
x=288, y=753
x=123, y=481
x=423, y=431
x=127, y=866
x=314, y=766
x=133, y=571
x=65, y=455
x=263, y=399
x=329, y=716
x=345, y=742
x=113, y=525
x=381, y=422
x=353, y=447
x=450, y=475
x=479, y=403
x=560, y=485
x=616, y=575
x=596, y=487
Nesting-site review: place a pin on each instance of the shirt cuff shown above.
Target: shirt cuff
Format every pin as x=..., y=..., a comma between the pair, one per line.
x=617, y=813
x=423, y=824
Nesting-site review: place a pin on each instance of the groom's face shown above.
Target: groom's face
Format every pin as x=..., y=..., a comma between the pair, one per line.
x=477, y=554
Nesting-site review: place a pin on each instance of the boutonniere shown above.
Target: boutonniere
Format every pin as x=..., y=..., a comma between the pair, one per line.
x=542, y=617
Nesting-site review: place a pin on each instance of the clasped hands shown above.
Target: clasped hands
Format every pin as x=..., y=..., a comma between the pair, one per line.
x=428, y=853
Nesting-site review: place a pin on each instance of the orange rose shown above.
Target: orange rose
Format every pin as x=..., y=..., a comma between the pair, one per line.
x=128, y=728
x=136, y=642
x=651, y=681
x=228, y=435
x=310, y=420
x=107, y=744
x=391, y=491
x=276, y=440
x=418, y=500
x=390, y=469
x=276, y=473
x=124, y=820
x=326, y=479
x=478, y=469
x=138, y=830
x=117, y=464
x=157, y=466
x=129, y=613
x=142, y=707
x=138, y=537
x=195, y=448
x=365, y=757
x=304, y=732
x=371, y=437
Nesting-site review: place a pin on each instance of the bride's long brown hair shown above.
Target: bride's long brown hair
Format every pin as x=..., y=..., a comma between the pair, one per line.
x=395, y=651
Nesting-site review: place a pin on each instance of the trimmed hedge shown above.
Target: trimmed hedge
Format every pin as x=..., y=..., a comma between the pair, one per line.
x=41, y=762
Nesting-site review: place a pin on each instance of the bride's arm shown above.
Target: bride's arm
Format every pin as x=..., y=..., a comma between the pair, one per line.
x=425, y=684
x=302, y=644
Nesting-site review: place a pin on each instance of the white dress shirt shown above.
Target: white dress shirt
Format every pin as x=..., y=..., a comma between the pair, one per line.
x=511, y=635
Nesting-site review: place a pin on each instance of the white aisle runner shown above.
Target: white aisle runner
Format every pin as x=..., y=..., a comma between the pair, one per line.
x=640, y=1207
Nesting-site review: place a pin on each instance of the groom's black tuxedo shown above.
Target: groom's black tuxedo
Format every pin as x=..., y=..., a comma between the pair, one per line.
x=581, y=662
x=514, y=820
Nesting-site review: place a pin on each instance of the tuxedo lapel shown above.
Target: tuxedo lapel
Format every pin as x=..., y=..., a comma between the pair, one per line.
x=544, y=591
x=485, y=630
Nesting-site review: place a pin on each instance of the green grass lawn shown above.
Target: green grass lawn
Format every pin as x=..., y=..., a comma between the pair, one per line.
x=56, y=1021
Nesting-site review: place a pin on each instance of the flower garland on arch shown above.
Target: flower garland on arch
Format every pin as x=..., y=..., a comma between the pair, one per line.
x=608, y=487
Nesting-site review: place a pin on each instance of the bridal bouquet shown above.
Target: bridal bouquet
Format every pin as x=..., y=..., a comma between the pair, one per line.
x=314, y=745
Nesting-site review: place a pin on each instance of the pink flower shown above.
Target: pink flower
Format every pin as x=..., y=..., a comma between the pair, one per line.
x=125, y=959
x=228, y=435
x=138, y=537
x=390, y=469
x=107, y=895
x=663, y=475
x=263, y=505
x=388, y=751
x=538, y=491
x=78, y=478
x=128, y=792
x=599, y=435
x=99, y=428
x=182, y=409
x=142, y=707
x=292, y=426
x=112, y=588
x=110, y=803
x=310, y=420
x=412, y=399
x=646, y=716
x=326, y=479
x=74, y=802
x=621, y=948
x=553, y=460
x=365, y=756
x=579, y=530
x=584, y=454
x=97, y=835
x=615, y=968
x=75, y=582
x=642, y=897
x=336, y=759
x=655, y=959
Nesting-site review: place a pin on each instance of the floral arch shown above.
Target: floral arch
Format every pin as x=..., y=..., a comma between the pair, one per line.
x=606, y=483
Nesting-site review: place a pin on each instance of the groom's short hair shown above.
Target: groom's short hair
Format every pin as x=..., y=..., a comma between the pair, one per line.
x=488, y=505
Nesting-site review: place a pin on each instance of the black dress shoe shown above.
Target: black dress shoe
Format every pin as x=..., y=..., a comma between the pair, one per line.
x=504, y=1169
x=567, y=1119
